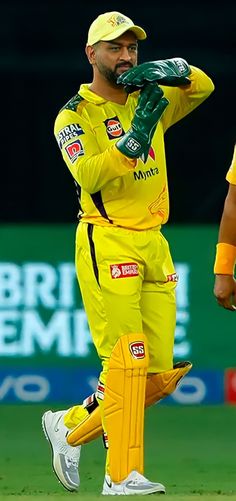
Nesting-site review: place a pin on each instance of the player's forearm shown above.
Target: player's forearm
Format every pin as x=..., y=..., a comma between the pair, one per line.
x=226, y=247
x=95, y=172
x=201, y=85
x=227, y=230
x=183, y=100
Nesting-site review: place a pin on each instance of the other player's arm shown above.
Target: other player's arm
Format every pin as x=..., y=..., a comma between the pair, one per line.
x=225, y=283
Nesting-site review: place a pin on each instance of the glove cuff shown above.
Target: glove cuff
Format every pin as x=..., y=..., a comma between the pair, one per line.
x=131, y=145
x=182, y=66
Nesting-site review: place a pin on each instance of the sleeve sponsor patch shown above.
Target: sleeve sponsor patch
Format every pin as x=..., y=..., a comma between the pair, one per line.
x=67, y=133
x=74, y=150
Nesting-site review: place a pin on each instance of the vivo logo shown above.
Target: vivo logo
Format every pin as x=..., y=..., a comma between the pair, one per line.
x=191, y=390
x=27, y=388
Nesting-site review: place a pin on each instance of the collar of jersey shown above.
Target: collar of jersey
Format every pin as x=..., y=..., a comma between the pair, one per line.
x=90, y=96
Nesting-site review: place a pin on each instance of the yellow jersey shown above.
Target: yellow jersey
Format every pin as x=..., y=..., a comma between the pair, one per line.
x=112, y=188
x=231, y=174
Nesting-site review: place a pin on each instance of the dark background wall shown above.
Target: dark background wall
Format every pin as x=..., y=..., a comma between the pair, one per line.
x=42, y=65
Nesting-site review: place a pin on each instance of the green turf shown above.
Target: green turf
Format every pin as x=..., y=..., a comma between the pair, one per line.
x=191, y=450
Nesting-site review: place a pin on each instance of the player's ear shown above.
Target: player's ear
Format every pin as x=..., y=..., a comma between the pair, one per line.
x=90, y=53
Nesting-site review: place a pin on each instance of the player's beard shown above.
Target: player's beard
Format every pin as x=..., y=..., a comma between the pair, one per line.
x=110, y=75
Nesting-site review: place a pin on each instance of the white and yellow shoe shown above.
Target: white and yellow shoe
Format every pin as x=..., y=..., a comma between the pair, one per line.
x=65, y=458
x=135, y=483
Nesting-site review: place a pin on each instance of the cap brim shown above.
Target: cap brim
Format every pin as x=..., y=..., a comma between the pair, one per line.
x=137, y=30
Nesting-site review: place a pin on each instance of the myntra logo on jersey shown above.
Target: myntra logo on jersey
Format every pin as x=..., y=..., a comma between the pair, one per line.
x=144, y=175
x=124, y=270
x=113, y=127
x=137, y=349
x=67, y=133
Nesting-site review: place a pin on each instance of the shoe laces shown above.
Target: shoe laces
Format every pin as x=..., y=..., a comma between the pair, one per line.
x=138, y=479
x=72, y=454
x=71, y=462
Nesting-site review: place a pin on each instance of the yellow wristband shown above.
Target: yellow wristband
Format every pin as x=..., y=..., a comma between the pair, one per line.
x=225, y=259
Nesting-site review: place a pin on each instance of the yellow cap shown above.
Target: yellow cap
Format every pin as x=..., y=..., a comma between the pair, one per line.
x=112, y=25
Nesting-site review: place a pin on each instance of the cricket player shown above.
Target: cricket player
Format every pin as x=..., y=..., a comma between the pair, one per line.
x=111, y=136
x=225, y=283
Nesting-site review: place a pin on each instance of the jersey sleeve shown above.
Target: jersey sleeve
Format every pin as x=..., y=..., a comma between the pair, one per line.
x=231, y=174
x=90, y=167
x=183, y=100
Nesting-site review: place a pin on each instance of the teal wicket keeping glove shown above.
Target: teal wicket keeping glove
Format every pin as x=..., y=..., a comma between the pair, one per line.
x=172, y=72
x=150, y=108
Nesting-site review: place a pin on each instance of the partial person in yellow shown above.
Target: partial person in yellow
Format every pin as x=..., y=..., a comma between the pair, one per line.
x=225, y=259
x=111, y=136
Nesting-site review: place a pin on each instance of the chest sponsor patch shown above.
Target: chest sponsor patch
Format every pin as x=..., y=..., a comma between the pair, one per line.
x=113, y=128
x=74, y=150
x=137, y=349
x=124, y=270
x=67, y=133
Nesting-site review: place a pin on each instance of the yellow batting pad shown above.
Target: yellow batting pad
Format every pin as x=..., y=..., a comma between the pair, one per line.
x=163, y=384
x=158, y=386
x=124, y=405
x=87, y=430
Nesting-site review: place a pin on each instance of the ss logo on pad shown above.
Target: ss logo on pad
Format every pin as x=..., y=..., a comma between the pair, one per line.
x=137, y=349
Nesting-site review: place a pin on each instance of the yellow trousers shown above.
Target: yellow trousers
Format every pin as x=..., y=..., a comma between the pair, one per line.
x=127, y=283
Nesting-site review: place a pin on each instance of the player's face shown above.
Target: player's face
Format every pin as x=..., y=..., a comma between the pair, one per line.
x=117, y=56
